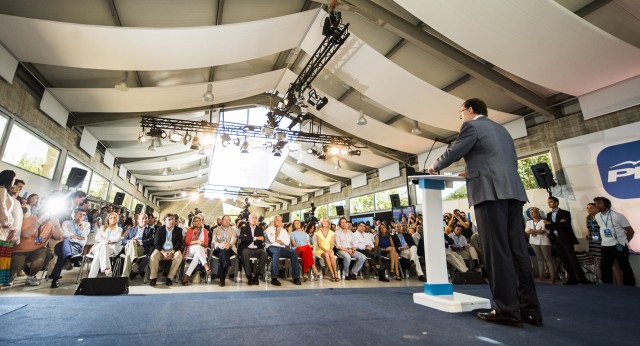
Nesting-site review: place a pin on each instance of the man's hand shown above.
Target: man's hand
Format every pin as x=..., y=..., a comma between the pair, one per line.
x=430, y=170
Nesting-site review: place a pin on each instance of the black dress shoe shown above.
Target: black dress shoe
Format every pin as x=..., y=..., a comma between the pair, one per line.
x=152, y=282
x=570, y=283
x=530, y=319
x=421, y=278
x=256, y=280
x=297, y=282
x=354, y=277
x=275, y=282
x=132, y=275
x=222, y=283
x=494, y=317
x=347, y=277
x=55, y=283
x=169, y=282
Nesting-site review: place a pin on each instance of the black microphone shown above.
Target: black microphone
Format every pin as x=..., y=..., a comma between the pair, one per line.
x=424, y=166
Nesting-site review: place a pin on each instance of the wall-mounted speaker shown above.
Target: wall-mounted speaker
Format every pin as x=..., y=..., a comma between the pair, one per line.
x=339, y=210
x=543, y=175
x=76, y=177
x=119, y=198
x=395, y=200
x=138, y=208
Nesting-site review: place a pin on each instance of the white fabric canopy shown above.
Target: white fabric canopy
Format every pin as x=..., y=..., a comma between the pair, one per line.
x=149, y=49
x=305, y=178
x=144, y=152
x=110, y=100
x=153, y=164
x=279, y=187
x=169, y=177
x=344, y=117
x=324, y=166
x=540, y=41
x=177, y=184
x=392, y=86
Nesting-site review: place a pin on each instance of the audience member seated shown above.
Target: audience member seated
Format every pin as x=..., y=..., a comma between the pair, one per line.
x=196, y=239
x=74, y=234
x=462, y=248
x=252, y=245
x=224, y=243
x=167, y=244
x=347, y=251
x=277, y=242
x=138, y=242
x=387, y=249
x=300, y=241
x=325, y=242
x=406, y=248
x=365, y=245
x=539, y=241
x=107, y=245
x=455, y=260
x=36, y=232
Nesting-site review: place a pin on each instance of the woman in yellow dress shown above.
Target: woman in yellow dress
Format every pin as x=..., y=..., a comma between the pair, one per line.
x=324, y=247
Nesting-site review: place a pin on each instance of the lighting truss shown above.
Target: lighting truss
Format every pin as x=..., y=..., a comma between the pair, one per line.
x=335, y=33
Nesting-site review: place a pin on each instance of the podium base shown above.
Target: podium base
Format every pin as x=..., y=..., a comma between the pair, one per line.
x=457, y=302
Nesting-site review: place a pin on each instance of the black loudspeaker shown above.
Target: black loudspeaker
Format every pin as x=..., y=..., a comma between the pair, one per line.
x=103, y=286
x=285, y=217
x=76, y=177
x=339, y=210
x=395, y=200
x=468, y=278
x=543, y=175
x=119, y=198
x=148, y=210
x=138, y=208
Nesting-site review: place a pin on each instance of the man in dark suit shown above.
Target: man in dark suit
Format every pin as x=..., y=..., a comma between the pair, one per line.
x=406, y=248
x=496, y=192
x=167, y=244
x=138, y=242
x=252, y=245
x=561, y=235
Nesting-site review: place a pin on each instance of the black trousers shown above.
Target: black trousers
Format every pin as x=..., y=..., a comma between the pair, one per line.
x=224, y=261
x=246, y=255
x=506, y=259
x=609, y=255
x=570, y=262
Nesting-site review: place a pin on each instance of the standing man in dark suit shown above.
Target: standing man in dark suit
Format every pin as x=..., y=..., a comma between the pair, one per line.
x=167, y=244
x=561, y=235
x=252, y=245
x=495, y=191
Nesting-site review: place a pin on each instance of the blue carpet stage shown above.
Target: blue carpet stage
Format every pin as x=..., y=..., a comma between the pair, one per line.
x=574, y=315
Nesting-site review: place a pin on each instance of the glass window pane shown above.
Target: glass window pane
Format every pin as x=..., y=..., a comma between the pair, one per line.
x=383, y=201
x=3, y=126
x=98, y=187
x=361, y=204
x=332, y=207
x=127, y=201
x=321, y=211
x=70, y=163
x=30, y=153
x=231, y=210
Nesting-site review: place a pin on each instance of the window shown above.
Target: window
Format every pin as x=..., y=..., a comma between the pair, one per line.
x=30, y=153
x=3, y=126
x=332, y=207
x=127, y=201
x=98, y=187
x=383, y=201
x=321, y=211
x=361, y=204
x=71, y=163
x=231, y=210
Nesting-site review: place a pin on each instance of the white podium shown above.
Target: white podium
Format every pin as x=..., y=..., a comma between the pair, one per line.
x=438, y=292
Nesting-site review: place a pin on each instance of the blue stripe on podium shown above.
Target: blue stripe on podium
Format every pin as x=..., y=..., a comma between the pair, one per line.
x=438, y=289
x=431, y=184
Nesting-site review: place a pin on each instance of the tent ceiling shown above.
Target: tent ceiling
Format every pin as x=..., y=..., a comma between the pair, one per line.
x=405, y=60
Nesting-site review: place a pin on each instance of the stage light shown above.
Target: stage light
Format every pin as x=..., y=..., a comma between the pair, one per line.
x=236, y=142
x=355, y=152
x=226, y=139
x=322, y=102
x=343, y=151
x=142, y=137
x=207, y=139
x=208, y=96
x=175, y=136
x=195, y=144
x=334, y=151
x=416, y=129
x=153, y=147
x=245, y=147
x=183, y=194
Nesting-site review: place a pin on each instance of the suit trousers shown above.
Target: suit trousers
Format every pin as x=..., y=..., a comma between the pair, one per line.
x=506, y=259
x=609, y=255
x=156, y=257
x=131, y=252
x=412, y=255
x=570, y=262
x=246, y=255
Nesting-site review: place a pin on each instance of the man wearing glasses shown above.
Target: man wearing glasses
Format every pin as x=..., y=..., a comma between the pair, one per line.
x=496, y=192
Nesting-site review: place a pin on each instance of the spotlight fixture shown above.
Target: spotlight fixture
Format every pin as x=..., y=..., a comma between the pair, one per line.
x=361, y=120
x=175, y=136
x=337, y=167
x=142, y=137
x=195, y=144
x=267, y=131
x=312, y=151
x=187, y=138
x=245, y=147
x=269, y=144
x=152, y=146
x=207, y=139
x=335, y=150
x=354, y=152
x=165, y=171
x=281, y=136
x=236, y=142
x=343, y=151
x=322, y=156
x=226, y=139
x=416, y=129
x=183, y=194
x=322, y=102
x=277, y=152
x=208, y=96
x=122, y=84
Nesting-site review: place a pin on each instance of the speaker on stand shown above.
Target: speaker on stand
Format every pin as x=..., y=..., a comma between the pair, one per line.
x=544, y=177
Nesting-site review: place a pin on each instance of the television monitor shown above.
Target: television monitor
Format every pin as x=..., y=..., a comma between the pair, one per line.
x=399, y=212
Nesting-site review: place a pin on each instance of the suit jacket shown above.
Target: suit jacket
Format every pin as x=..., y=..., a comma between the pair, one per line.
x=161, y=236
x=491, y=162
x=246, y=239
x=147, y=237
x=407, y=238
x=219, y=235
x=565, y=230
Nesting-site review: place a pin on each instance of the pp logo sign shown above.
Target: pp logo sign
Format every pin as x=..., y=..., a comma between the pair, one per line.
x=619, y=167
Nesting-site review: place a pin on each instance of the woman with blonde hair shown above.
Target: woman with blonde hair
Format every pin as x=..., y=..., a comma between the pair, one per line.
x=107, y=244
x=325, y=241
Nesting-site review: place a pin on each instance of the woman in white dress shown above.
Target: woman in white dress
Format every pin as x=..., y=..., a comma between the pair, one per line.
x=107, y=244
x=539, y=241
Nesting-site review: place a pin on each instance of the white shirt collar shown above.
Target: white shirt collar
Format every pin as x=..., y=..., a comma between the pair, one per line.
x=478, y=116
